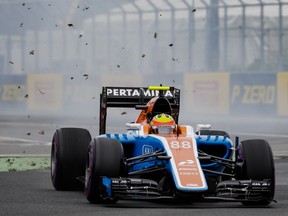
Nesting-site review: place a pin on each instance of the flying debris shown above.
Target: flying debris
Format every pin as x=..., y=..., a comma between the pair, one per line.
x=155, y=35
x=41, y=132
x=41, y=91
x=175, y=59
x=86, y=76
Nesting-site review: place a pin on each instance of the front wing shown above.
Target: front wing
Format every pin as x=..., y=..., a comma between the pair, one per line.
x=146, y=189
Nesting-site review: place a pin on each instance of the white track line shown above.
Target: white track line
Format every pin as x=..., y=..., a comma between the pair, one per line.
x=29, y=142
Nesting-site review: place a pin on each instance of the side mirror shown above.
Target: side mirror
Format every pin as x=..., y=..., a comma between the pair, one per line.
x=203, y=127
x=133, y=126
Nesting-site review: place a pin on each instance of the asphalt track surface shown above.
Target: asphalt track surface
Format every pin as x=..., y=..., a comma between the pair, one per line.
x=31, y=192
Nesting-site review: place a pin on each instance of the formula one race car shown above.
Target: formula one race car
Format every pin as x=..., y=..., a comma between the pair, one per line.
x=159, y=159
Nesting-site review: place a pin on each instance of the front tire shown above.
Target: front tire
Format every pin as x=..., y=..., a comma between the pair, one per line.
x=256, y=161
x=105, y=158
x=68, y=157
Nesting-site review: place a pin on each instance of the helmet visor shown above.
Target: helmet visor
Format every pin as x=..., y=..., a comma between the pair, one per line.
x=165, y=130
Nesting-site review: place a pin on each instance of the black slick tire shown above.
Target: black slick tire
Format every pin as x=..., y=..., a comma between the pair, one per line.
x=257, y=163
x=104, y=158
x=68, y=157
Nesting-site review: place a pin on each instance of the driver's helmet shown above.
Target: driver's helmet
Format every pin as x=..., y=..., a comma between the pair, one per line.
x=163, y=124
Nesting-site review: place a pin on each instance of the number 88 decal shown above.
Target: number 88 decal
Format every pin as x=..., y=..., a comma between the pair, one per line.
x=177, y=144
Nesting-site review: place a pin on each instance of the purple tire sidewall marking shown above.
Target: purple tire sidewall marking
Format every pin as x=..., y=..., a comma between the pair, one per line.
x=91, y=158
x=240, y=153
x=54, y=155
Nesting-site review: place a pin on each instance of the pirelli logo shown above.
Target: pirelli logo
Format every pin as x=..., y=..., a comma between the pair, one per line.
x=135, y=92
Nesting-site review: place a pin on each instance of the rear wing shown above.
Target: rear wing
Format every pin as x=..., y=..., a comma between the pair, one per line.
x=134, y=97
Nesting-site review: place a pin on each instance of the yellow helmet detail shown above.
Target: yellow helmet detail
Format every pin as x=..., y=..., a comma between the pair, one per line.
x=163, y=123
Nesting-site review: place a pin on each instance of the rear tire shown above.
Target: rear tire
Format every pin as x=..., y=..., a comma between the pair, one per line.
x=68, y=157
x=105, y=158
x=256, y=160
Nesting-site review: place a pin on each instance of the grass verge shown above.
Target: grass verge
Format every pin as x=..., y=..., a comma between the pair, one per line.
x=10, y=164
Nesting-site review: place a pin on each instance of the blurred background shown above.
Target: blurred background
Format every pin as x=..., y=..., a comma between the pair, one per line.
x=228, y=57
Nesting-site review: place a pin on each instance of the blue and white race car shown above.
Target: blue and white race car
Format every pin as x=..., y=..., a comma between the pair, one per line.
x=158, y=158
